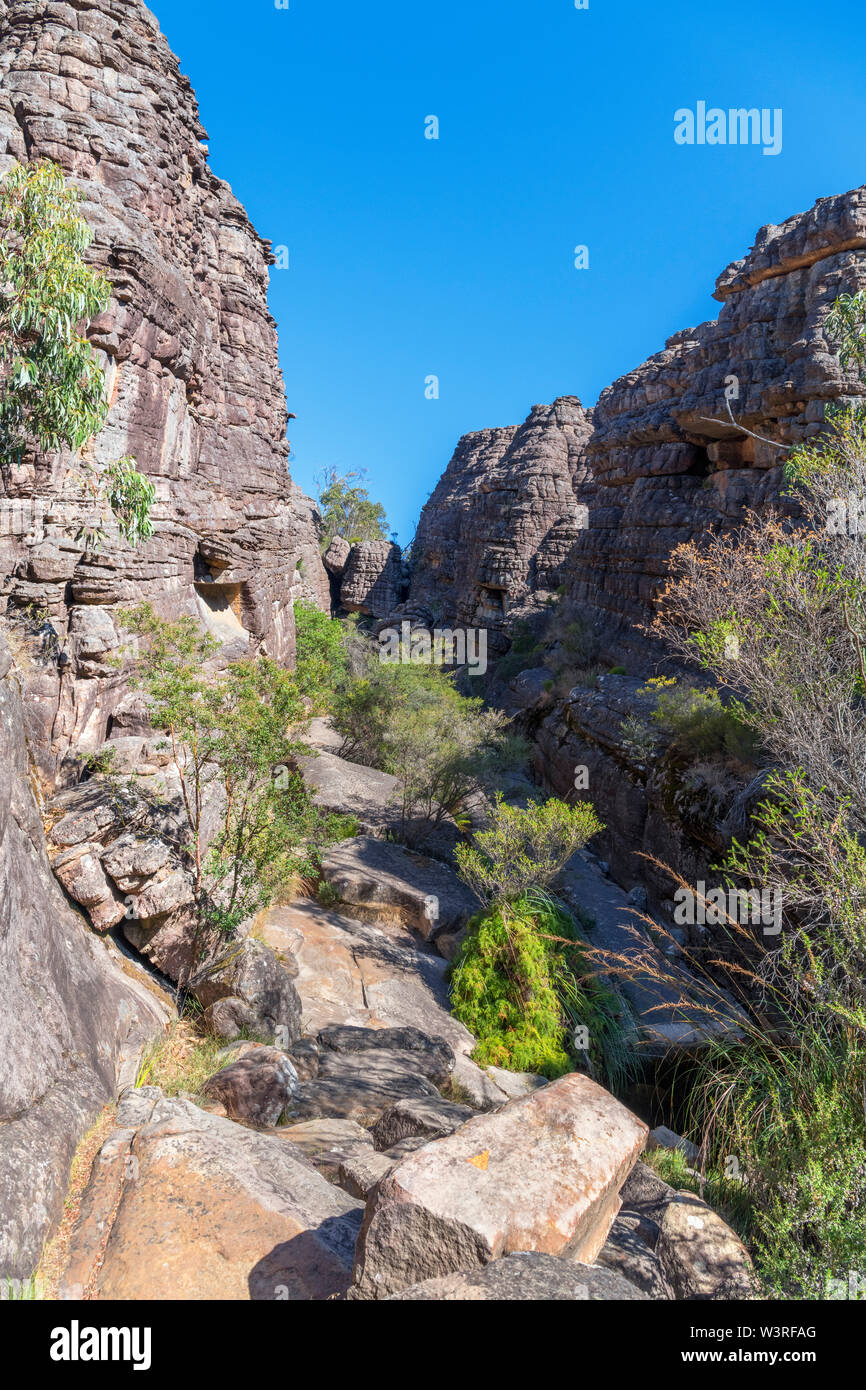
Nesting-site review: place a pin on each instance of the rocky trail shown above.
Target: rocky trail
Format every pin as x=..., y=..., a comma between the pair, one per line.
x=360, y=1152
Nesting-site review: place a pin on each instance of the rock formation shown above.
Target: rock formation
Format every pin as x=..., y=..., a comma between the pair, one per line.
x=657, y=461
x=191, y=362
x=372, y=580
x=503, y=519
x=75, y=1016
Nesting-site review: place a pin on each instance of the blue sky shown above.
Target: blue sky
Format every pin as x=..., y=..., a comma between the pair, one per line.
x=412, y=257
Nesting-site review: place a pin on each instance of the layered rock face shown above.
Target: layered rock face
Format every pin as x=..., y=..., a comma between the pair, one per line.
x=74, y=1020
x=658, y=461
x=191, y=360
x=503, y=519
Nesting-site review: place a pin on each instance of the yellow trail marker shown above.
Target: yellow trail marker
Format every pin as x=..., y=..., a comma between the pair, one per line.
x=480, y=1160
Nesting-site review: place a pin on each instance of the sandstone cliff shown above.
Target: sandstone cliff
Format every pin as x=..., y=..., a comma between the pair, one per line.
x=190, y=352
x=657, y=461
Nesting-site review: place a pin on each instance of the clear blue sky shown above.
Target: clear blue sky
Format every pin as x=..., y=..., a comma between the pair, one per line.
x=412, y=257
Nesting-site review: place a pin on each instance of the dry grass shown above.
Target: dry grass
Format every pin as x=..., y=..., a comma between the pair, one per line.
x=55, y=1256
x=182, y=1060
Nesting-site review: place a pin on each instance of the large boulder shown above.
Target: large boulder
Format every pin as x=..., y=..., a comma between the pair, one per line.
x=257, y=1087
x=626, y=1251
x=248, y=990
x=336, y=555
x=700, y=1255
x=187, y=1205
x=373, y=579
x=543, y=1174
x=418, y=1119
x=523, y=1278
x=368, y=875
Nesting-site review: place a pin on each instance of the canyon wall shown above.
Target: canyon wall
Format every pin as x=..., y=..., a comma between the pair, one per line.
x=73, y=1014
x=587, y=506
x=190, y=352
x=197, y=398
x=593, y=502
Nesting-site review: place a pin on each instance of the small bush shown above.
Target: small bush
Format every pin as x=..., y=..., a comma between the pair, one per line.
x=524, y=847
x=698, y=723
x=504, y=989
x=321, y=660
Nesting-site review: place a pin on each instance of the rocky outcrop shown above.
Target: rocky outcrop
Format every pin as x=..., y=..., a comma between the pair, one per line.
x=75, y=1014
x=373, y=579
x=658, y=460
x=503, y=519
x=191, y=367
x=273, y=1228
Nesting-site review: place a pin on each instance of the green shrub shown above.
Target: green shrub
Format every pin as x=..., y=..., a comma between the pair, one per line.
x=52, y=386
x=524, y=847
x=504, y=989
x=321, y=659
x=698, y=723
x=412, y=721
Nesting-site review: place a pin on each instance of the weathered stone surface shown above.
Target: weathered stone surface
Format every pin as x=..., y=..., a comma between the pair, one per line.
x=646, y=1195
x=257, y=1087
x=700, y=1255
x=74, y=1016
x=328, y=1143
x=336, y=555
x=373, y=579
x=478, y=549
x=360, y=1086
x=433, y=1057
x=542, y=1174
x=418, y=1119
x=191, y=368
x=394, y=882
x=524, y=1277
x=350, y=789
x=476, y=1086
x=187, y=1205
x=359, y=1172
x=350, y=972
x=248, y=988
x=626, y=1252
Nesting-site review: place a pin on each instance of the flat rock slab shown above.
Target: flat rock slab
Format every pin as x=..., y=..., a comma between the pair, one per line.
x=525, y=1278
x=187, y=1205
x=350, y=789
x=328, y=1143
x=431, y=1056
x=382, y=878
x=351, y=973
x=542, y=1174
x=361, y=1086
x=418, y=1119
x=700, y=1255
